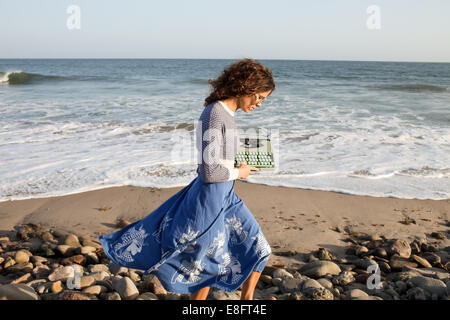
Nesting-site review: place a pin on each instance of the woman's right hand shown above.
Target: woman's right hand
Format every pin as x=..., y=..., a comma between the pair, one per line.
x=245, y=170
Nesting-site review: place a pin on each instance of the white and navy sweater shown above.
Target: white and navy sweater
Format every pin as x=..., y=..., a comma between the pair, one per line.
x=217, y=142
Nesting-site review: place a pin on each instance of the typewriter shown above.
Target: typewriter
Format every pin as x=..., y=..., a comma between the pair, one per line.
x=256, y=151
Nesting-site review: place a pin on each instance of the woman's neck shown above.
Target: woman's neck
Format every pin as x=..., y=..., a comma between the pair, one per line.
x=231, y=104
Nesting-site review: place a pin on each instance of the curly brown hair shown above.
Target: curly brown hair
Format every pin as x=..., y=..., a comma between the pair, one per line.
x=243, y=77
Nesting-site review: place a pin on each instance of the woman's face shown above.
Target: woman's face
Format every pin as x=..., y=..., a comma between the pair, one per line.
x=248, y=103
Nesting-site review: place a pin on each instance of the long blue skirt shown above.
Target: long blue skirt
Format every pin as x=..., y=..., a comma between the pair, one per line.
x=204, y=235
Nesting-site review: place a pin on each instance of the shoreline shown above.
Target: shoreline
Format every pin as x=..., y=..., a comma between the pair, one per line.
x=292, y=219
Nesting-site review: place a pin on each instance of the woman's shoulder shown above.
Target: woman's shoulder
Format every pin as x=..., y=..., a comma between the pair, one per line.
x=213, y=111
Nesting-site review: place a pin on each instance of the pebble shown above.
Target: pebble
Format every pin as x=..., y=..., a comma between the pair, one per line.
x=18, y=291
x=21, y=256
x=147, y=296
x=72, y=241
x=62, y=273
x=290, y=285
x=400, y=247
x=356, y=294
x=317, y=269
x=152, y=283
x=57, y=287
x=421, y=261
x=343, y=278
x=95, y=290
x=126, y=288
x=418, y=270
x=397, y=262
x=281, y=273
x=327, y=284
x=432, y=286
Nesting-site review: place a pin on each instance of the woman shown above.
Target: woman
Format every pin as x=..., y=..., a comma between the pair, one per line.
x=204, y=236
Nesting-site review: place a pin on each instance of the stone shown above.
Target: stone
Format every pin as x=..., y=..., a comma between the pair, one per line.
x=400, y=247
x=373, y=244
x=126, y=288
x=416, y=293
x=343, y=278
x=41, y=271
x=92, y=258
x=368, y=298
x=152, y=283
x=421, y=261
x=98, y=268
x=91, y=243
x=117, y=269
x=46, y=236
x=95, y=290
x=21, y=256
x=8, y=262
x=147, y=296
x=105, y=283
x=432, y=286
x=415, y=247
x=56, y=287
x=355, y=294
x=121, y=223
x=438, y=235
x=401, y=286
x=24, y=278
x=75, y=295
x=78, y=259
x=281, y=273
x=110, y=296
x=402, y=276
x=277, y=281
x=38, y=260
x=18, y=291
x=327, y=284
x=24, y=267
x=100, y=276
x=65, y=250
x=397, y=263
x=265, y=278
x=319, y=294
x=317, y=269
x=72, y=240
x=361, y=250
x=289, y=285
x=380, y=252
x=134, y=276
x=432, y=258
x=88, y=249
x=324, y=254
x=62, y=273
x=310, y=283
x=214, y=295
x=385, y=267
x=428, y=248
x=86, y=281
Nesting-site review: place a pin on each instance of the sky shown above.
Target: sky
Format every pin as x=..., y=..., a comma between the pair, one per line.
x=396, y=30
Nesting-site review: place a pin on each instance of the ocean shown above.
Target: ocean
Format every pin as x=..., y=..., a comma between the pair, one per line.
x=364, y=128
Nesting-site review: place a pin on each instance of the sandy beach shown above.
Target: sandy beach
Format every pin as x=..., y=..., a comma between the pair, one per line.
x=294, y=221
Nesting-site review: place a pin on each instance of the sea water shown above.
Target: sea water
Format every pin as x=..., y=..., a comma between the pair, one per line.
x=363, y=128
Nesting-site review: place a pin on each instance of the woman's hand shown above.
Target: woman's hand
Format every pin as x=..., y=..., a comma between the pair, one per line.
x=245, y=170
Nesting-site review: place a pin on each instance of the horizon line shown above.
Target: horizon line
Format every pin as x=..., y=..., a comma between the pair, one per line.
x=274, y=59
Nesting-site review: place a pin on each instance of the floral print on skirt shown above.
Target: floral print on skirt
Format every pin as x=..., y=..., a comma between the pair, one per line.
x=204, y=235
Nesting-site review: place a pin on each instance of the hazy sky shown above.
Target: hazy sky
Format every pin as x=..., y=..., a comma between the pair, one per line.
x=410, y=30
